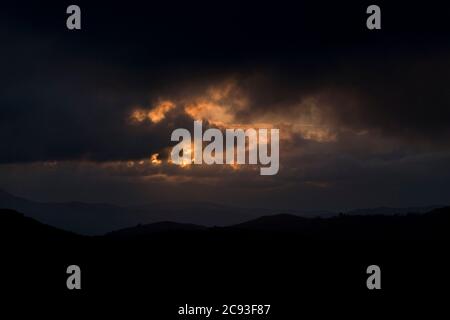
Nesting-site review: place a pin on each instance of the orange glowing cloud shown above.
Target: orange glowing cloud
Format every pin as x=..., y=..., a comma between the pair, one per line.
x=159, y=112
x=138, y=115
x=154, y=159
x=221, y=105
x=218, y=105
x=226, y=105
x=155, y=115
x=212, y=112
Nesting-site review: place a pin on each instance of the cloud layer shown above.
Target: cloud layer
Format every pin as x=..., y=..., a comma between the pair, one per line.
x=364, y=118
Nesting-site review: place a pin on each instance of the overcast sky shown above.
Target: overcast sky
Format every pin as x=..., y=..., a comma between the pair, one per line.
x=363, y=115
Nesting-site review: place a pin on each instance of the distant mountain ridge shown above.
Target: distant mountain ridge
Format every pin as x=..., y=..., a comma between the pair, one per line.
x=414, y=225
x=392, y=210
x=157, y=227
x=436, y=222
x=100, y=218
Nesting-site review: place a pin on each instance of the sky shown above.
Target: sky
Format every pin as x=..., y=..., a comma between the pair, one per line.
x=363, y=114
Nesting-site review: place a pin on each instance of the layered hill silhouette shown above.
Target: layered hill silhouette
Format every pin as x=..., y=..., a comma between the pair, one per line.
x=14, y=226
x=101, y=218
x=158, y=227
x=417, y=225
x=432, y=224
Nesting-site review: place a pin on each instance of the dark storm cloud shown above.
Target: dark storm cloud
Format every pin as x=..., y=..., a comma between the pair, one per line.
x=68, y=96
x=380, y=98
x=398, y=95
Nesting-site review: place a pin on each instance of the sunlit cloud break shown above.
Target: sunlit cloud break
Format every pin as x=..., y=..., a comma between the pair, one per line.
x=236, y=151
x=155, y=114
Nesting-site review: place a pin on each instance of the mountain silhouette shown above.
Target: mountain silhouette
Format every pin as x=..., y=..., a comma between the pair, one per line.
x=433, y=223
x=14, y=226
x=411, y=225
x=100, y=218
x=158, y=227
x=276, y=222
x=270, y=257
x=392, y=210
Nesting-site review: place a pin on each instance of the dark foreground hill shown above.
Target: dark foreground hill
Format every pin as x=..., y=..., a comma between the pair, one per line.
x=300, y=266
x=14, y=226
